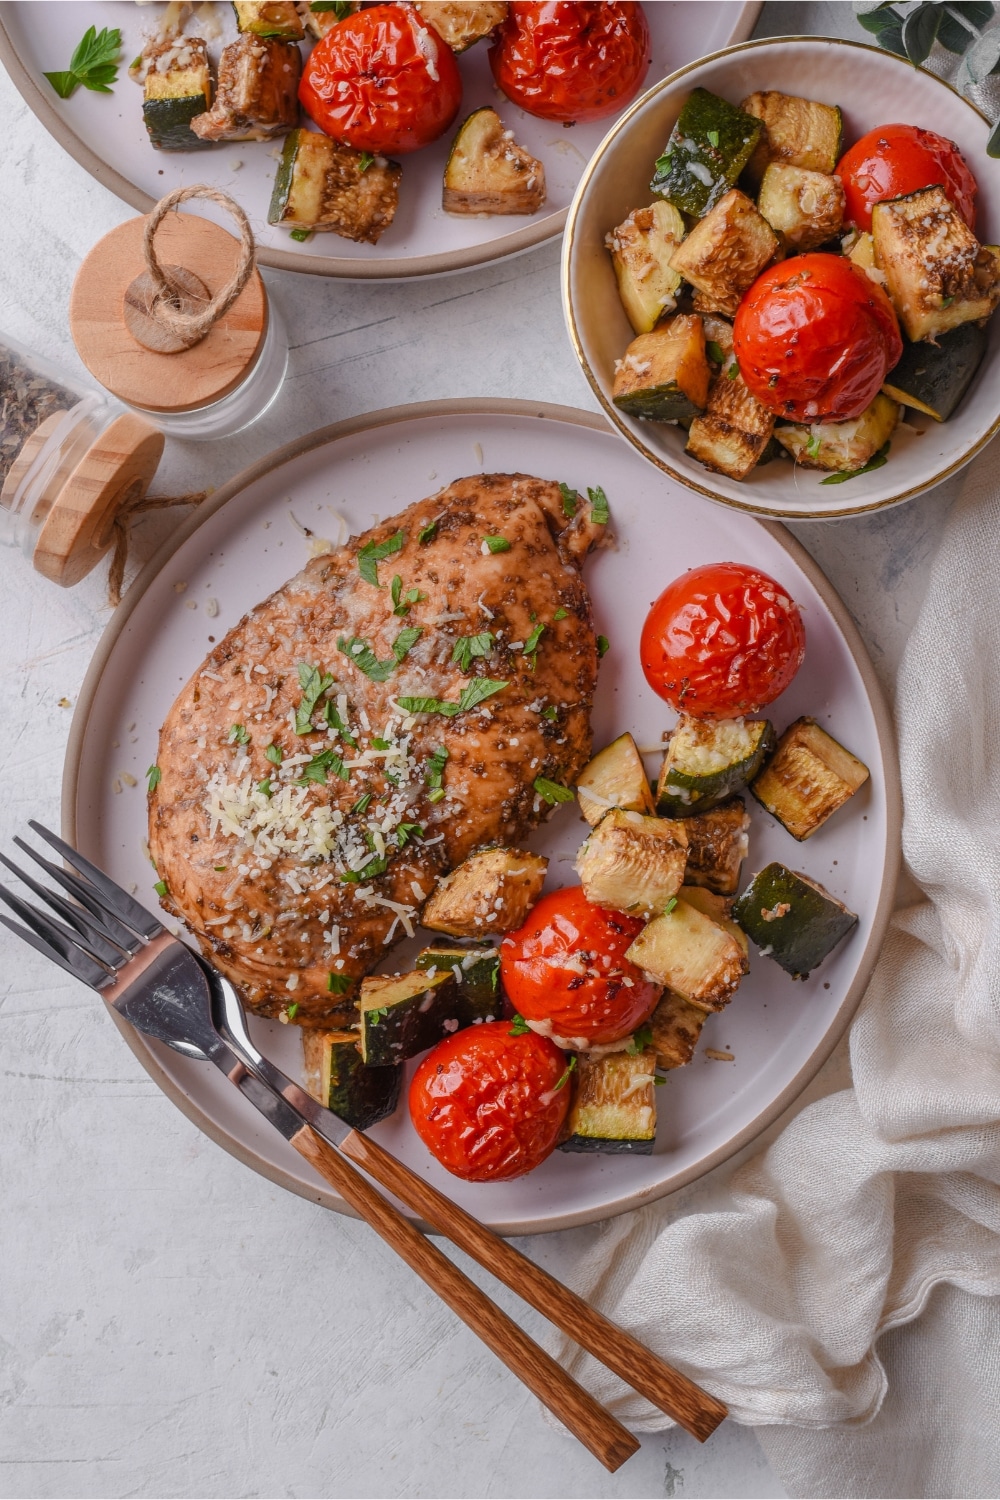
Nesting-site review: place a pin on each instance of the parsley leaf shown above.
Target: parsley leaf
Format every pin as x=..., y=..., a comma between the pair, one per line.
x=338, y=984
x=715, y=352
x=377, y=865
x=603, y=646
x=401, y=602
x=733, y=372
x=640, y=1040
x=519, y=1026
x=427, y=533
x=407, y=831
x=361, y=655
x=467, y=647
x=320, y=766
x=371, y=554
x=292, y=1010
x=570, y=499
x=881, y=458
x=376, y=1015
x=713, y=137
x=497, y=543
x=560, y=614
x=812, y=447
x=160, y=887
x=333, y=720
x=301, y=235
x=478, y=690
x=531, y=644
x=366, y=160
x=550, y=713
x=570, y=1067
x=435, y=766
x=265, y=786
x=552, y=791
x=670, y=906
x=599, y=508
x=155, y=776
x=341, y=8
x=93, y=64
x=274, y=755
x=239, y=735
x=314, y=684
x=363, y=803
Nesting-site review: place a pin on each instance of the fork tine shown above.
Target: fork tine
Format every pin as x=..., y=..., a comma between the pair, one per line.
x=58, y=936
x=78, y=888
x=93, y=934
x=114, y=898
x=81, y=966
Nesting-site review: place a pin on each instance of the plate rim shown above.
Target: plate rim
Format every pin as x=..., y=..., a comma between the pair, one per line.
x=569, y=316
x=399, y=268
x=436, y=411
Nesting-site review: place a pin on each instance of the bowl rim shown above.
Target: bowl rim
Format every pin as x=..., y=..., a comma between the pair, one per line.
x=774, y=512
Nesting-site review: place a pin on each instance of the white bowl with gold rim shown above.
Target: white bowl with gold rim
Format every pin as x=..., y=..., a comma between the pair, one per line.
x=872, y=88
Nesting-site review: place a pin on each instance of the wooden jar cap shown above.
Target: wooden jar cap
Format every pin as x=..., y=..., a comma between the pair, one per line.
x=139, y=376
x=116, y=470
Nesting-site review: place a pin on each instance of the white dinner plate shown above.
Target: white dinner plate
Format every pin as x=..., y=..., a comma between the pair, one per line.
x=248, y=539
x=107, y=136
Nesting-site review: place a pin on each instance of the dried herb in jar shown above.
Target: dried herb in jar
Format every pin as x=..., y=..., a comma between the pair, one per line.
x=26, y=399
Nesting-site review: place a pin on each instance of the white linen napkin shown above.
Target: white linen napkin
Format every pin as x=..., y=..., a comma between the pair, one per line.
x=772, y=1281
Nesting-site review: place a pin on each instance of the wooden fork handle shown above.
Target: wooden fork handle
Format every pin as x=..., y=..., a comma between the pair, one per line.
x=588, y=1421
x=638, y=1366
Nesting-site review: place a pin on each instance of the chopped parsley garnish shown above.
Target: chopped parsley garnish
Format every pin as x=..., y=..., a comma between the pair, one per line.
x=219, y=868
x=603, y=646
x=341, y=9
x=640, y=1040
x=363, y=803
x=331, y=716
x=300, y=234
x=427, y=533
x=265, y=786
x=372, y=553
x=733, y=371
x=880, y=458
x=93, y=64
x=478, y=690
x=401, y=602
x=551, y=713
x=292, y=1010
x=518, y=1026
x=497, y=543
x=160, y=887
x=599, y=508
x=715, y=352
x=468, y=647
x=407, y=831
x=361, y=655
x=378, y=743
x=659, y=1081
x=552, y=791
x=531, y=644
x=560, y=614
x=239, y=735
x=570, y=500
x=570, y=1067
x=338, y=984
x=670, y=906
x=321, y=766
x=377, y=865
x=434, y=772
x=314, y=684
x=713, y=136
x=812, y=447
x=366, y=160
x=274, y=755
x=374, y=1016
x=947, y=301
x=154, y=776
x=437, y=795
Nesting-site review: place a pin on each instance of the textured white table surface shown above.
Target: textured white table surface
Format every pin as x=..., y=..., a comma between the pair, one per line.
x=171, y=1323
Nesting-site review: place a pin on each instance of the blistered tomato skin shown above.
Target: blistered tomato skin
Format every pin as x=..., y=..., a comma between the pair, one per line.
x=722, y=641
x=571, y=61
x=815, y=337
x=898, y=159
x=382, y=81
x=491, y=1105
x=565, y=971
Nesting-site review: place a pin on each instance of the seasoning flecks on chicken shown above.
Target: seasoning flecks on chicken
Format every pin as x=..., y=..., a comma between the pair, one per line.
x=307, y=803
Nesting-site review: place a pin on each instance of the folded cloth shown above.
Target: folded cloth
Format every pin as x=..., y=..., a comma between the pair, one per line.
x=772, y=1281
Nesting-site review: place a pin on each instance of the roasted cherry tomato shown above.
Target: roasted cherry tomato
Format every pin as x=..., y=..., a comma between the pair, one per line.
x=490, y=1103
x=721, y=641
x=382, y=81
x=566, y=970
x=815, y=337
x=571, y=62
x=899, y=159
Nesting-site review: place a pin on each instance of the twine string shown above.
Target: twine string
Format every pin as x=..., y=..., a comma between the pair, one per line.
x=127, y=513
x=191, y=327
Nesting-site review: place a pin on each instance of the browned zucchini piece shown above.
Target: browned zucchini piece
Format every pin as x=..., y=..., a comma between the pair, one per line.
x=337, y=1077
x=676, y=1026
x=664, y=375
x=616, y=777
x=487, y=172
x=725, y=253
x=735, y=430
x=403, y=1014
x=798, y=131
x=322, y=184
x=708, y=760
x=718, y=842
x=691, y=954
x=641, y=248
x=177, y=88
x=719, y=908
x=809, y=776
x=278, y=18
x=792, y=919
x=461, y=23
x=633, y=863
x=614, y=1107
x=936, y=272
x=491, y=891
x=320, y=16
x=257, y=94
x=804, y=208
x=841, y=446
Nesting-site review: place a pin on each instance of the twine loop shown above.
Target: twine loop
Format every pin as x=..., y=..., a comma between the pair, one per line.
x=167, y=309
x=129, y=509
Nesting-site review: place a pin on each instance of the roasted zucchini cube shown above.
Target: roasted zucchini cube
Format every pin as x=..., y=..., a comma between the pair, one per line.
x=257, y=96
x=461, y=23
x=664, y=375
x=633, y=863
x=691, y=954
x=614, y=1107
x=487, y=172
x=708, y=761
x=321, y=16
x=278, y=18
x=862, y=252
x=735, y=430
x=178, y=86
x=718, y=842
x=476, y=972
x=936, y=272
x=842, y=446
x=804, y=208
x=933, y=378
x=403, y=1014
x=324, y=185
x=796, y=131
x=676, y=1026
x=809, y=776
x=616, y=777
x=491, y=891
x=336, y=1075
x=792, y=919
x=725, y=253
x=707, y=150
x=718, y=908
x=641, y=248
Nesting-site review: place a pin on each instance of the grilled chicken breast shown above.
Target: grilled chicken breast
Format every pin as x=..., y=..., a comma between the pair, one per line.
x=394, y=707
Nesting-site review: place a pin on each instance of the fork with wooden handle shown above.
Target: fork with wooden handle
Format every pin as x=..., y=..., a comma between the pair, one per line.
x=107, y=939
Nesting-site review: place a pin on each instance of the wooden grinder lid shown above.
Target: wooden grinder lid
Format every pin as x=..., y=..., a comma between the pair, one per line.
x=113, y=287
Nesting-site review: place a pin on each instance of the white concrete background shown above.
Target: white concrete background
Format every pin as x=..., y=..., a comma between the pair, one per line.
x=170, y=1323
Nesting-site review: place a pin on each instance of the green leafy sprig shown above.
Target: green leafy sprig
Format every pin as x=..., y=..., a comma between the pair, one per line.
x=94, y=64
